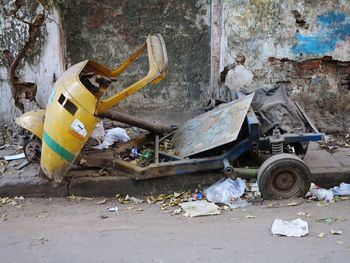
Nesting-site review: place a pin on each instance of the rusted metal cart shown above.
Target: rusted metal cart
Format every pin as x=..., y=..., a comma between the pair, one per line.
x=226, y=139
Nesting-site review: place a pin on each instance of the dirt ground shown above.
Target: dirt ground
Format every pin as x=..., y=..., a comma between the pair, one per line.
x=62, y=230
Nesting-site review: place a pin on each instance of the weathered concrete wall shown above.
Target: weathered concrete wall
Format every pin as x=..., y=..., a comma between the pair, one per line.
x=28, y=64
x=109, y=31
x=302, y=45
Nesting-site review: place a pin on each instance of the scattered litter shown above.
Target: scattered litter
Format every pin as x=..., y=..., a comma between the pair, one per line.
x=170, y=200
x=295, y=228
x=199, y=208
x=77, y=198
x=322, y=194
x=99, y=132
x=112, y=209
x=14, y=157
x=176, y=211
x=103, y=216
x=336, y=232
x=82, y=161
x=197, y=195
x=227, y=192
x=322, y=203
x=342, y=189
x=340, y=242
x=134, y=200
x=250, y=216
x=304, y=214
x=102, y=201
x=43, y=215
x=112, y=136
x=328, y=220
x=293, y=203
x=321, y=235
x=4, y=217
x=21, y=165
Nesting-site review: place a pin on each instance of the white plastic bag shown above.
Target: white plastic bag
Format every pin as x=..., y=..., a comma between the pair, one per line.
x=342, y=189
x=295, y=228
x=112, y=136
x=99, y=132
x=322, y=194
x=227, y=192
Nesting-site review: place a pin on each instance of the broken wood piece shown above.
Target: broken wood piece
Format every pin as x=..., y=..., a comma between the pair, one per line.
x=138, y=122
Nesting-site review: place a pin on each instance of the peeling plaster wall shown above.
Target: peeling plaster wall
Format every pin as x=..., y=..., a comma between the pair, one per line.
x=302, y=45
x=39, y=64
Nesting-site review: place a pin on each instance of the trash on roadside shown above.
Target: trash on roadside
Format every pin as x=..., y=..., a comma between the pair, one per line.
x=328, y=220
x=14, y=157
x=293, y=203
x=112, y=136
x=340, y=242
x=342, y=189
x=250, y=216
x=295, y=228
x=304, y=214
x=21, y=165
x=199, y=208
x=102, y=201
x=98, y=133
x=103, y=216
x=321, y=235
x=134, y=200
x=336, y=232
x=112, y=209
x=198, y=195
x=170, y=200
x=227, y=192
x=176, y=211
x=322, y=194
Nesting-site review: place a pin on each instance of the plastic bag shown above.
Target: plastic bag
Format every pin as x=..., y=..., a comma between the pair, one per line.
x=295, y=228
x=112, y=136
x=99, y=132
x=322, y=194
x=342, y=189
x=227, y=192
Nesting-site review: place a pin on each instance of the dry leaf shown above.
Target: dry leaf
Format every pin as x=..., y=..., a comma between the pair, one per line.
x=321, y=235
x=102, y=201
x=336, y=232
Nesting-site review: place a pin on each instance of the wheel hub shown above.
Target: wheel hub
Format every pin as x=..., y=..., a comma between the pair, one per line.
x=33, y=150
x=284, y=180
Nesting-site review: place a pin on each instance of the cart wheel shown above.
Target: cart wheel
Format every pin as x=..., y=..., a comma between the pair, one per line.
x=32, y=150
x=283, y=176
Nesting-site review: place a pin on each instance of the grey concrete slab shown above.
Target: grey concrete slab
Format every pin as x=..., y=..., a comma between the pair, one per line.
x=343, y=157
x=28, y=183
x=112, y=185
x=320, y=158
x=314, y=146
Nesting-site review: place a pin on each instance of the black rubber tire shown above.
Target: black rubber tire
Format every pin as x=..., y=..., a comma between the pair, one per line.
x=32, y=150
x=283, y=176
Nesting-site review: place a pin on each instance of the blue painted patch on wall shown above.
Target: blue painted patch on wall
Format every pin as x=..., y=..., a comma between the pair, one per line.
x=333, y=28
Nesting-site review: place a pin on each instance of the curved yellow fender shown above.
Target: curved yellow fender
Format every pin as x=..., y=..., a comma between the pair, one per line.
x=72, y=110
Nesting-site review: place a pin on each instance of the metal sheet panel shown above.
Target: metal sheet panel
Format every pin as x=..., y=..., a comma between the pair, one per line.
x=213, y=128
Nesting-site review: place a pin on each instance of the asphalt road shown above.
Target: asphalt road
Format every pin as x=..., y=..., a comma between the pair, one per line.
x=60, y=230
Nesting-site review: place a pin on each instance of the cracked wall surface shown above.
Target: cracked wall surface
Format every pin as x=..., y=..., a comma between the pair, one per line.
x=30, y=55
x=301, y=45
x=109, y=31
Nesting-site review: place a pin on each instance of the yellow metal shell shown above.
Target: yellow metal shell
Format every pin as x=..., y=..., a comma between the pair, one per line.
x=72, y=110
x=32, y=121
